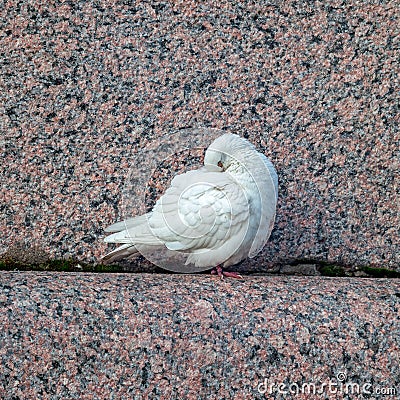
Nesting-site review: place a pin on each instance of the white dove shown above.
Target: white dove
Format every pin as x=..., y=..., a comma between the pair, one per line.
x=215, y=216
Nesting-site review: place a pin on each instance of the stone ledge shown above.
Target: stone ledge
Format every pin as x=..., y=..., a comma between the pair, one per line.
x=140, y=336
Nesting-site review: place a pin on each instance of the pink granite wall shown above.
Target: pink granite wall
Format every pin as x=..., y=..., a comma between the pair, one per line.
x=86, y=86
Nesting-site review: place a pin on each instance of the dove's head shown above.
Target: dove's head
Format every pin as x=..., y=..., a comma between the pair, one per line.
x=226, y=150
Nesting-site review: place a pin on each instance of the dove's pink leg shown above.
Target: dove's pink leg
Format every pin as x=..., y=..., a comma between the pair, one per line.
x=221, y=273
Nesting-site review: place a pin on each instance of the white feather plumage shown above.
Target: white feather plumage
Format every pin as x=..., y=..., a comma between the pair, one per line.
x=219, y=214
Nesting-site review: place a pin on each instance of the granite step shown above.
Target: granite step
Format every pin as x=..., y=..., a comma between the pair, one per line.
x=157, y=336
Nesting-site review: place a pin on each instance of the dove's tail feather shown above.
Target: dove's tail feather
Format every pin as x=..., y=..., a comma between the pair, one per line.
x=132, y=234
x=128, y=223
x=124, y=251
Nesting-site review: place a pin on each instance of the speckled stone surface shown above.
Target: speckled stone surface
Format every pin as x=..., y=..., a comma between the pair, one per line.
x=86, y=86
x=151, y=336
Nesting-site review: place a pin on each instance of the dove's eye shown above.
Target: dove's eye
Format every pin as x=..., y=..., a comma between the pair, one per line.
x=220, y=164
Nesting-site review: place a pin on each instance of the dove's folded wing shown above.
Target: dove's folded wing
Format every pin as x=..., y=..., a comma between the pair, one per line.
x=201, y=211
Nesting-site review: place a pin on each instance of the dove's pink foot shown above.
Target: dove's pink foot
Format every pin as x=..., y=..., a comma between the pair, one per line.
x=221, y=273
